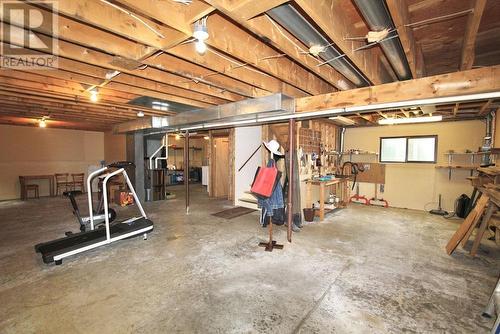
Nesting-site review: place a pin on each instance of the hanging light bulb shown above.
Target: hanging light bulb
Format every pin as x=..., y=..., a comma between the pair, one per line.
x=140, y=114
x=200, y=47
x=177, y=137
x=200, y=33
x=42, y=123
x=94, y=95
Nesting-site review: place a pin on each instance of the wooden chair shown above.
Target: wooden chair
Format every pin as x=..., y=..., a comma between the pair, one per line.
x=34, y=188
x=62, y=182
x=78, y=181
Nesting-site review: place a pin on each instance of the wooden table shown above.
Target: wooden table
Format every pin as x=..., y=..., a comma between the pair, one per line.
x=342, y=187
x=24, y=178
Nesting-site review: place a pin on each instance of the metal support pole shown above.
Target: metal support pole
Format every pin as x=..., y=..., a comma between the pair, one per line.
x=186, y=169
x=291, y=153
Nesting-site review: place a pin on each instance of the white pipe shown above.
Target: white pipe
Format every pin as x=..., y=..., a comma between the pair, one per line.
x=153, y=155
x=89, y=194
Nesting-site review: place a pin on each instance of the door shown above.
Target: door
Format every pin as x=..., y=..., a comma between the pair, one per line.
x=221, y=164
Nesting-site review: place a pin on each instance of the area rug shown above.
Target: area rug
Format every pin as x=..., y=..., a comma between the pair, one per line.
x=233, y=213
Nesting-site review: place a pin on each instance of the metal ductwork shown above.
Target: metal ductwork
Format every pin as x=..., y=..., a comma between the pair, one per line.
x=242, y=112
x=293, y=21
x=378, y=18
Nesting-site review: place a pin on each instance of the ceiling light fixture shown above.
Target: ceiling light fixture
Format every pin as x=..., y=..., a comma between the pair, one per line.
x=42, y=123
x=140, y=114
x=391, y=121
x=200, y=33
x=94, y=94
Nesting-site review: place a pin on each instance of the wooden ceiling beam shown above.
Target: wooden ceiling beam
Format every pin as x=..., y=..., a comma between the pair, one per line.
x=401, y=17
x=247, y=9
x=84, y=34
x=229, y=38
x=57, y=114
x=71, y=100
x=180, y=85
x=282, y=69
x=336, y=25
x=82, y=126
x=481, y=80
x=227, y=65
x=89, y=76
x=199, y=73
x=47, y=107
x=469, y=40
x=37, y=81
x=278, y=37
x=107, y=17
x=485, y=109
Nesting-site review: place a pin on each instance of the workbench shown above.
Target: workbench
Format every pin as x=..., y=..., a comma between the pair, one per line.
x=342, y=189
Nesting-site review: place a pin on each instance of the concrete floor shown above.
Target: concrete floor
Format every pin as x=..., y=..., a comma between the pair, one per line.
x=364, y=270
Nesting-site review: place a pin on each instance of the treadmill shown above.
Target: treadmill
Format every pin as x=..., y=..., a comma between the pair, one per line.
x=57, y=250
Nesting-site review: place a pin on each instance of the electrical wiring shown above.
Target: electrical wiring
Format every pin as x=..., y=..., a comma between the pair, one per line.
x=135, y=17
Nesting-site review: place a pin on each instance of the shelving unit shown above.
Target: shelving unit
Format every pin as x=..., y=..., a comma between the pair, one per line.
x=472, y=166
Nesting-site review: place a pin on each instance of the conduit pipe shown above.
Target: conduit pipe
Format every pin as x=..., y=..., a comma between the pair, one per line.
x=378, y=18
x=290, y=19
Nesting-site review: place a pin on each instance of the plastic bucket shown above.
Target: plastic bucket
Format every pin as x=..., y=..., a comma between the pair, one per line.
x=308, y=214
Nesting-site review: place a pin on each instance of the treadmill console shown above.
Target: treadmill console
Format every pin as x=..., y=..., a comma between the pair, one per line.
x=121, y=164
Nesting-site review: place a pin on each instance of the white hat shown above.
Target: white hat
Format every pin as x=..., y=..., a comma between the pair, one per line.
x=273, y=146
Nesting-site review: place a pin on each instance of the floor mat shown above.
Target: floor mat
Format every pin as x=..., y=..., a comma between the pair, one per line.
x=233, y=213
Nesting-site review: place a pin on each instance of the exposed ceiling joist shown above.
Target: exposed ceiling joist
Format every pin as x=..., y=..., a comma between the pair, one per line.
x=401, y=18
x=336, y=25
x=469, y=41
x=267, y=29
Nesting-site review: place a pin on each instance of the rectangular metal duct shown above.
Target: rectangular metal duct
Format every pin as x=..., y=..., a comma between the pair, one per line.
x=245, y=110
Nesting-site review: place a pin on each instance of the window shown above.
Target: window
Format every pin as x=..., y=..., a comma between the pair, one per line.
x=408, y=149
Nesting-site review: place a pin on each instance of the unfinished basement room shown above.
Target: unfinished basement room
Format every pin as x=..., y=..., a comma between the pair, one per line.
x=250, y=166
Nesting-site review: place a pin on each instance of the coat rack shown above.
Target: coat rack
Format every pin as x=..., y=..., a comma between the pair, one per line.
x=272, y=244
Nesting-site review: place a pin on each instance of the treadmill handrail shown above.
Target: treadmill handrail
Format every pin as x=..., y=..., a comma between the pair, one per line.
x=106, y=204
x=89, y=194
x=105, y=194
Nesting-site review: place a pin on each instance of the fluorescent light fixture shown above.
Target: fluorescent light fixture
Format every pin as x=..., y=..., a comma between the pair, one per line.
x=342, y=120
x=390, y=121
x=436, y=100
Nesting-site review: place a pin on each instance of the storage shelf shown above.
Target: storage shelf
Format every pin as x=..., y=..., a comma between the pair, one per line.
x=472, y=153
x=457, y=167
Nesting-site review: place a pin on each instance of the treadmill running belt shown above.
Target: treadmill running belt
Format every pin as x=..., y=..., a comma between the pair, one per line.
x=83, y=239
